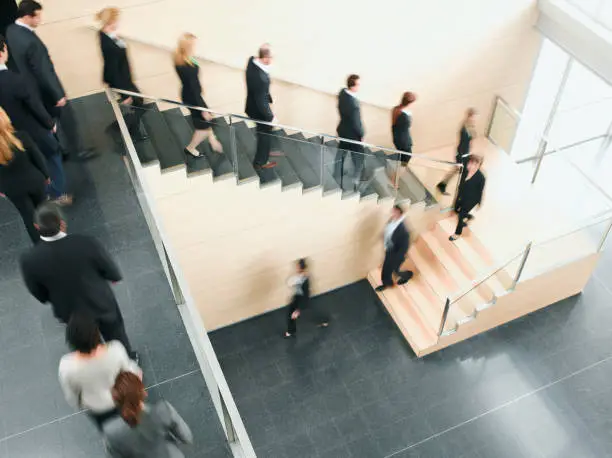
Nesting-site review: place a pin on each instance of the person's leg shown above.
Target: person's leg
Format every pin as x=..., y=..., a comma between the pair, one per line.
x=404, y=275
x=317, y=316
x=57, y=188
x=291, y=323
x=444, y=182
x=198, y=137
x=68, y=134
x=358, y=159
x=215, y=144
x=263, y=145
x=25, y=206
x=339, y=163
x=115, y=330
x=386, y=276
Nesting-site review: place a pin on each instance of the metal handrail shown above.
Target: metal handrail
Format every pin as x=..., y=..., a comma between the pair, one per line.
x=600, y=219
x=197, y=333
x=286, y=127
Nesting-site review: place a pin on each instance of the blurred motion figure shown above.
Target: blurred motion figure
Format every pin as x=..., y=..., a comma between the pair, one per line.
x=351, y=128
x=397, y=242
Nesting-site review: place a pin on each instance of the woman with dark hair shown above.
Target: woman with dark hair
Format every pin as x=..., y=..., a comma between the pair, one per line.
x=401, y=121
x=470, y=194
x=23, y=173
x=88, y=373
x=300, y=283
x=139, y=430
x=466, y=134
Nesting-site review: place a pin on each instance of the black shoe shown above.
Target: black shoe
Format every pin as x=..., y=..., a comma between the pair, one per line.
x=453, y=237
x=380, y=288
x=286, y=335
x=405, y=276
x=87, y=154
x=442, y=188
x=189, y=154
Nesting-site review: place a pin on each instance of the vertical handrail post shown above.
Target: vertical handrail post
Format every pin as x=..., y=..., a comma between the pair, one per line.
x=521, y=266
x=230, y=432
x=233, y=147
x=322, y=159
x=605, y=236
x=444, y=316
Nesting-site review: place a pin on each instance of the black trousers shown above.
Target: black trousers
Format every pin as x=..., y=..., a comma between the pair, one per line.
x=134, y=112
x=115, y=330
x=307, y=311
x=391, y=265
x=357, y=157
x=26, y=204
x=462, y=214
x=264, y=144
x=101, y=417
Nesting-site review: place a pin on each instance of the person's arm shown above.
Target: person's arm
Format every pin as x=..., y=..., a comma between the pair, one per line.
x=34, y=105
x=71, y=393
x=357, y=120
x=107, y=268
x=34, y=154
x=176, y=425
x=124, y=360
x=263, y=100
x=41, y=67
x=36, y=289
x=111, y=63
x=481, y=191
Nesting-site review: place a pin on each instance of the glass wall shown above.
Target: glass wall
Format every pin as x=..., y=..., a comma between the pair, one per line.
x=598, y=10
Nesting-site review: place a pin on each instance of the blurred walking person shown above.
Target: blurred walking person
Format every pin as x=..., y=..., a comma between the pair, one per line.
x=350, y=127
x=188, y=70
x=23, y=173
x=397, y=242
x=117, y=72
x=401, y=123
x=73, y=272
x=466, y=134
x=30, y=57
x=470, y=194
x=258, y=104
x=141, y=430
x=87, y=375
x=300, y=300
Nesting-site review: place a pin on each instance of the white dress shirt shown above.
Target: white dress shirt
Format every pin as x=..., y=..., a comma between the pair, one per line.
x=351, y=93
x=113, y=36
x=389, y=230
x=60, y=235
x=264, y=67
x=23, y=24
x=3, y=67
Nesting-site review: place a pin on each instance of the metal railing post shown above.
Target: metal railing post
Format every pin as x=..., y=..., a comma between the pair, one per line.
x=233, y=147
x=521, y=266
x=229, y=426
x=322, y=159
x=444, y=316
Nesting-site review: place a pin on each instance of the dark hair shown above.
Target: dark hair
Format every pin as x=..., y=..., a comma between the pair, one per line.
x=49, y=219
x=407, y=98
x=351, y=81
x=82, y=333
x=2, y=43
x=399, y=209
x=128, y=394
x=28, y=8
x=302, y=263
x=264, y=51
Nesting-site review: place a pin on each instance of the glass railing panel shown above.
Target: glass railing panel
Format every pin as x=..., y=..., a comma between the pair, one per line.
x=419, y=181
x=136, y=126
x=503, y=125
x=566, y=247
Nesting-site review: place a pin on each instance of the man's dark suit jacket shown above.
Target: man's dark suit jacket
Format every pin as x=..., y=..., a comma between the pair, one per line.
x=400, y=242
x=350, y=117
x=28, y=55
x=258, y=93
x=24, y=108
x=72, y=274
x=117, y=72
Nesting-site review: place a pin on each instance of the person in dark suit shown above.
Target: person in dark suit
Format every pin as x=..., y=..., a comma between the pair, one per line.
x=258, y=103
x=400, y=125
x=470, y=194
x=23, y=173
x=397, y=242
x=188, y=71
x=117, y=72
x=466, y=134
x=300, y=300
x=351, y=128
x=8, y=14
x=28, y=114
x=73, y=272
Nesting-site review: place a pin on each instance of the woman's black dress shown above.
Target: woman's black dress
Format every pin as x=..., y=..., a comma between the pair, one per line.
x=191, y=93
x=401, y=136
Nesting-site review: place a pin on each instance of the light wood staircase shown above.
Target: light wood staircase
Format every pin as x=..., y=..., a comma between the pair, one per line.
x=442, y=270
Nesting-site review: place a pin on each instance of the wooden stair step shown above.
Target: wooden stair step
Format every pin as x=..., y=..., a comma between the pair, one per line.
x=428, y=304
x=441, y=284
x=470, y=246
x=405, y=314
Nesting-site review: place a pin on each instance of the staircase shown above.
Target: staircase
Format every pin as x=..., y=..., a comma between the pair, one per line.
x=442, y=269
x=301, y=165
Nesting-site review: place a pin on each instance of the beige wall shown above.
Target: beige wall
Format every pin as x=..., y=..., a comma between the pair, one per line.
x=237, y=244
x=452, y=53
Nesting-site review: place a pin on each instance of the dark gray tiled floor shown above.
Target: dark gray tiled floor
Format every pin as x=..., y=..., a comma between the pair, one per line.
x=537, y=387
x=35, y=421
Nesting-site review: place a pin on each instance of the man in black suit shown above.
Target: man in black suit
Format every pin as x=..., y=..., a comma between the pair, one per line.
x=397, y=241
x=30, y=57
x=351, y=128
x=258, y=104
x=28, y=114
x=73, y=272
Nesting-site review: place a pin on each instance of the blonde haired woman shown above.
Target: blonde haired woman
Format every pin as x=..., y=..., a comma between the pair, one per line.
x=117, y=72
x=23, y=173
x=191, y=94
